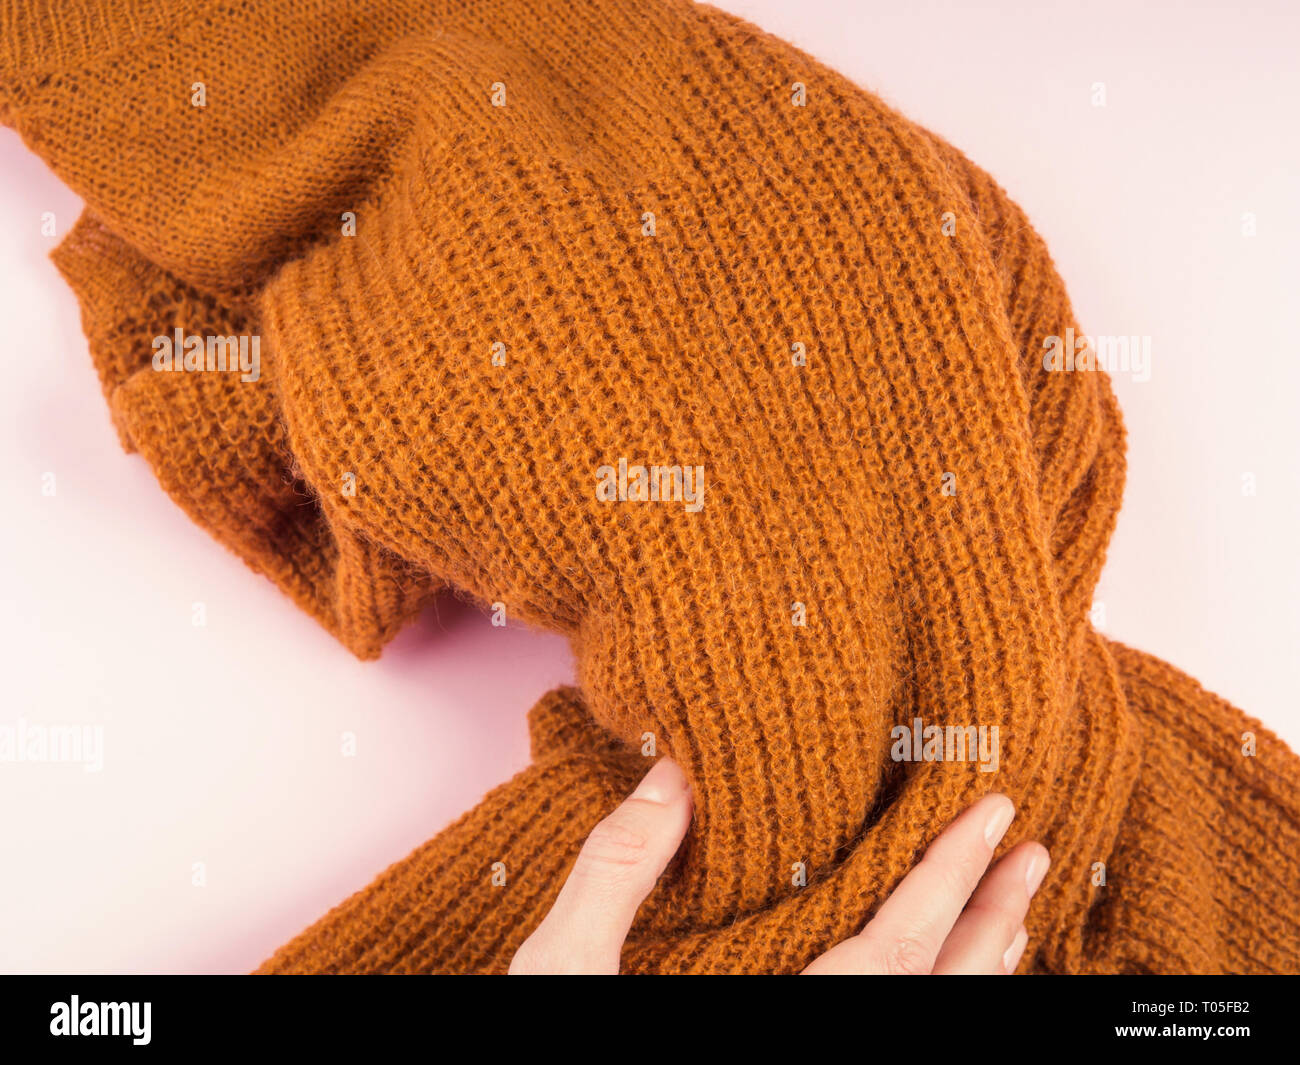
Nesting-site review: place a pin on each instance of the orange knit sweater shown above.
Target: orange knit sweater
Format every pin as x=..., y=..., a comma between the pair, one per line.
x=499, y=255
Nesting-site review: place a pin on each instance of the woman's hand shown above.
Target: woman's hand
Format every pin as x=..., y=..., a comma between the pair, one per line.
x=948, y=915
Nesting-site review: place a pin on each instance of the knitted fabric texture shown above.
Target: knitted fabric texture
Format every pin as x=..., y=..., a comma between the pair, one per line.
x=601, y=230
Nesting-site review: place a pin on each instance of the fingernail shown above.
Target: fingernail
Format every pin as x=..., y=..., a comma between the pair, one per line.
x=1012, y=957
x=664, y=783
x=999, y=821
x=1035, y=872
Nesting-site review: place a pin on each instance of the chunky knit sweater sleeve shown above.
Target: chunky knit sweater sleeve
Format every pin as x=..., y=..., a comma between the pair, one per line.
x=493, y=249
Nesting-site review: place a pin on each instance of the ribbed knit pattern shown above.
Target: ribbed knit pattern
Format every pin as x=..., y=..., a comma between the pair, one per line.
x=922, y=299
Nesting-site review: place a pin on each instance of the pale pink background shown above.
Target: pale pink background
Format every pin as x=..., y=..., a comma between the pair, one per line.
x=222, y=743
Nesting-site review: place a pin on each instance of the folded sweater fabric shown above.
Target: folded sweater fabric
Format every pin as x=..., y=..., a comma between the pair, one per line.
x=631, y=318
